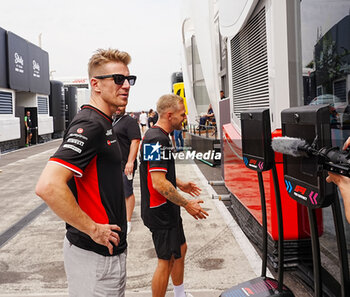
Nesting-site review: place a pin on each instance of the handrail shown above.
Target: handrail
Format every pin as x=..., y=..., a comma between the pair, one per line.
x=197, y=130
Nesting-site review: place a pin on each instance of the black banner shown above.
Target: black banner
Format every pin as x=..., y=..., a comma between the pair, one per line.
x=46, y=74
x=18, y=62
x=3, y=62
x=39, y=81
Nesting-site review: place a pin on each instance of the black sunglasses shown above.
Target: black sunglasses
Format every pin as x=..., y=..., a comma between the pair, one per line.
x=119, y=78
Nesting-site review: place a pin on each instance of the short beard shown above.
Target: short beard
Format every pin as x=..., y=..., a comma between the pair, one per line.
x=179, y=127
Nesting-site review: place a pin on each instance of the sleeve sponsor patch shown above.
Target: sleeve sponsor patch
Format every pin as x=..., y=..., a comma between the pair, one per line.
x=72, y=147
x=78, y=136
x=76, y=141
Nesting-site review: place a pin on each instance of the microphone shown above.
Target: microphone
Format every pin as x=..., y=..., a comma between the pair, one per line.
x=331, y=159
x=295, y=147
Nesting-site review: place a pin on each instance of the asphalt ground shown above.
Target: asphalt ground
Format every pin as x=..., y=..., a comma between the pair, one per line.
x=219, y=255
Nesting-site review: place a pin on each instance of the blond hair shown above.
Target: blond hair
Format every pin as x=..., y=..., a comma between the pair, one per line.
x=168, y=101
x=104, y=56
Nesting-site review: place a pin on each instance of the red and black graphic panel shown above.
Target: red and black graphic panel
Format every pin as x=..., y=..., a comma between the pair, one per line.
x=256, y=139
x=257, y=287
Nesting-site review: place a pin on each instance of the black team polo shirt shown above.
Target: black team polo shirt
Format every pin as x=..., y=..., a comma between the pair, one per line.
x=127, y=129
x=156, y=211
x=90, y=149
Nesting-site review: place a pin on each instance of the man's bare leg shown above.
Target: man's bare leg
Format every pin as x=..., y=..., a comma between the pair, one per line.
x=130, y=205
x=161, y=277
x=177, y=272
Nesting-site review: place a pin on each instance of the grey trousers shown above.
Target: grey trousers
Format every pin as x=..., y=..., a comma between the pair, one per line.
x=92, y=275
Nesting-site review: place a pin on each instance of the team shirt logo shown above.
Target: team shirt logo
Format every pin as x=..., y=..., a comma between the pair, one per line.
x=80, y=130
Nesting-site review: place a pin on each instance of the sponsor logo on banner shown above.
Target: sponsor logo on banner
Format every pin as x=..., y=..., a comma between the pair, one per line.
x=19, y=63
x=36, y=69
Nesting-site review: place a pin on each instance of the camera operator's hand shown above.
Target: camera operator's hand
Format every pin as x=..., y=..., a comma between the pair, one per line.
x=339, y=180
x=346, y=144
x=343, y=184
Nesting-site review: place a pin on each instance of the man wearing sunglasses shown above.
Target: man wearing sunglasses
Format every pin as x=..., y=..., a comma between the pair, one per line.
x=82, y=183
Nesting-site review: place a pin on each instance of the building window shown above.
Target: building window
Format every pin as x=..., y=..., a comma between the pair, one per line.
x=42, y=105
x=6, y=105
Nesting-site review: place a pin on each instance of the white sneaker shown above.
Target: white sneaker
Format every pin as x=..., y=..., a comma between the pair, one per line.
x=129, y=229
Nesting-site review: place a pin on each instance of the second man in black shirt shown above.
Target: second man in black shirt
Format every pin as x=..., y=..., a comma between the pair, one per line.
x=128, y=133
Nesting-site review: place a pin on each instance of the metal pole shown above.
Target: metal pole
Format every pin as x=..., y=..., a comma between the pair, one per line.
x=264, y=224
x=342, y=248
x=280, y=228
x=316, y=258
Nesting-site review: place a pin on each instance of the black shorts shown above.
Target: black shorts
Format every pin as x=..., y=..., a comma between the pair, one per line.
x=168, y=242
x=128, y=185
x=143, y=125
